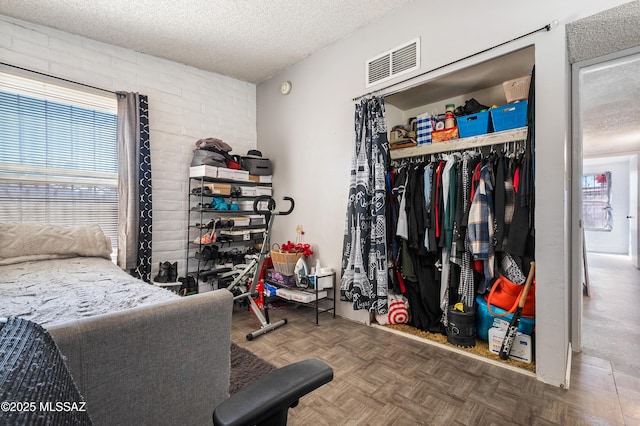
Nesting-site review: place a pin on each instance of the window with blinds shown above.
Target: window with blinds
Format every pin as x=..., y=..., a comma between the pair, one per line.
x=58, y=158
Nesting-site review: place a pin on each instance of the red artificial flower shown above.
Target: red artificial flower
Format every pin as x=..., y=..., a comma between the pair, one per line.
x=290, y=247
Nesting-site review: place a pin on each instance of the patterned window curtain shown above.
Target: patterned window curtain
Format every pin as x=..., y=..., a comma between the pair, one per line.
x=364, y=257
x=134, y=185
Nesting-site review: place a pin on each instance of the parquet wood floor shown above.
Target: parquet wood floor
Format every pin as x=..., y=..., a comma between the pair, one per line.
x=384, y=379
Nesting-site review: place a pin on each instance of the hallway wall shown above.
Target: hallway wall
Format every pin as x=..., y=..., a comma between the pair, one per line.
x=617, y=240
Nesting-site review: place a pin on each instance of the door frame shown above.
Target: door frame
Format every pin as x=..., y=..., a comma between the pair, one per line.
x=575, y=195
x=634, y=210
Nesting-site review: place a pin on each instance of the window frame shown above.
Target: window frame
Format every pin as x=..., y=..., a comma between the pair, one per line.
x=73, y=183
x=597, y=213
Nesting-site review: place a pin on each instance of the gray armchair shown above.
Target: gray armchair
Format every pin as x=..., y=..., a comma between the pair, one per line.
x=142, y=366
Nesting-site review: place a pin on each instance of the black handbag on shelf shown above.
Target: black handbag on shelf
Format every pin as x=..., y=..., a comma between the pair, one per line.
x=257, y=166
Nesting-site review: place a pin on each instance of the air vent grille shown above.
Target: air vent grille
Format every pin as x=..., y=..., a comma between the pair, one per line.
x=403, y=59
x=394, y=62
x=380, y=69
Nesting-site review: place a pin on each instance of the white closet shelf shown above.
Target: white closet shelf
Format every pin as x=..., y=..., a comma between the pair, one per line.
x=461, y=144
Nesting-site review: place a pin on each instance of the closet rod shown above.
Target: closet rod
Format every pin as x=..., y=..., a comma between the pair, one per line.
x=57, y=78
x=547, y=27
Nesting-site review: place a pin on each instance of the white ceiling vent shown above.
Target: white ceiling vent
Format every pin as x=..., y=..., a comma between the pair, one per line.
x=394, y=62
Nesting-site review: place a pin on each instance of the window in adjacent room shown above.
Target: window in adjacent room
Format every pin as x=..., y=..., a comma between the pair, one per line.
x=58, y=160
x=596, y=202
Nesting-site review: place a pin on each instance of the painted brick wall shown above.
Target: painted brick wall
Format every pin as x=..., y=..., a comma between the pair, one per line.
x=185, y=104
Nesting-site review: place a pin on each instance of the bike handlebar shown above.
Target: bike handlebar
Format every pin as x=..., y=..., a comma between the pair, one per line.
x=271, y=205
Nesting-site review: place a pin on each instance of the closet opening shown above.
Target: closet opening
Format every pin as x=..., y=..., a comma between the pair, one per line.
x=506, y=148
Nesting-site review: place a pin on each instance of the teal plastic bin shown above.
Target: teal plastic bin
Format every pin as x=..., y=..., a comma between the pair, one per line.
x=484, y=321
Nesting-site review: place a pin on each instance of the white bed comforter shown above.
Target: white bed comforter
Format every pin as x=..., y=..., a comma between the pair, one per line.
x=58, y=290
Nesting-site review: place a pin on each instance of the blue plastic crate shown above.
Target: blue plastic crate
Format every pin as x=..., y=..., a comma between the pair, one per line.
x=511, y=116
x=474, y=124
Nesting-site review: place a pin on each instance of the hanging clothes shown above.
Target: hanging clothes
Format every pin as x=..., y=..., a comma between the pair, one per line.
x=364, y=279
x=449, y=183
x=466, y=285
x=428, y=171
x=402, y=225
x=427, y=270
x=397, y=226
x=521, y=232
x=438, y=207
x=480, y=228
x=504, y=199
x=419, y=269
x=457, y=206
x=449, y=188
x=417, y=209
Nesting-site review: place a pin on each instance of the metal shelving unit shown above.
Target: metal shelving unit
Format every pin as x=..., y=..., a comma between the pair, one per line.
x=199, y=215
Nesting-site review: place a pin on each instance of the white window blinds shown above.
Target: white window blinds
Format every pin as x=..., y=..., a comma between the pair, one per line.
x=58, y=159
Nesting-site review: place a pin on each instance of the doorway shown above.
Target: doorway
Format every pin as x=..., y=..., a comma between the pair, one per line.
x=606, y=150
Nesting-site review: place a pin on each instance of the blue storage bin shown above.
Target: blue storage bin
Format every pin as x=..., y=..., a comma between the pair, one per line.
x=509, y=116
x=474, y=124
x=484, y=321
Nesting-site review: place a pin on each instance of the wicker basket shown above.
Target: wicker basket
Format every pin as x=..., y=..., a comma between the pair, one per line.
x=284, y=263
x=517, y=90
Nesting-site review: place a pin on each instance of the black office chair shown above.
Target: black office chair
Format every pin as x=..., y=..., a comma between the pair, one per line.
x=266, y=401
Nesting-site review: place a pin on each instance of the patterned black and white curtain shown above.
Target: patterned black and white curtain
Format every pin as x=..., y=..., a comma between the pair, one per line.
x=134, y=185
x=364, y=266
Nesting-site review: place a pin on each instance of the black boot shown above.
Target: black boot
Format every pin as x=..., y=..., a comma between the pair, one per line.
x=163, y=273
x=183, y=287
x=172, y=275
x=188, y=286
x=192, y=286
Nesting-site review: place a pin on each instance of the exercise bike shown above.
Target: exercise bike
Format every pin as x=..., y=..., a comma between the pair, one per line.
x=239, y=283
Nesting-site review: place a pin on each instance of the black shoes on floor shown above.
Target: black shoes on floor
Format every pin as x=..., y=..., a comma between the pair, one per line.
x=168, y=273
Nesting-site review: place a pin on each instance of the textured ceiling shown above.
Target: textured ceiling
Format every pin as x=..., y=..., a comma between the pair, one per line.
x=609, y=95
x=246, y=39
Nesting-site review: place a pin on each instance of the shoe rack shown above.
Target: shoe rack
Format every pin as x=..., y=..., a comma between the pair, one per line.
x=222, y=226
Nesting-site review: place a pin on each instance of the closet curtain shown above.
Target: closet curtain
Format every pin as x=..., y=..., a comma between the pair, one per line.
x=364, y=266
x=134, y=185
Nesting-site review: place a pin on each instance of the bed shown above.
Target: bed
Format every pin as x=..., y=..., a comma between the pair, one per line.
x=52, y=274
x=138, y=353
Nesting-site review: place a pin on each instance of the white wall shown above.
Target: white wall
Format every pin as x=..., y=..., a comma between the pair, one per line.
x=634, y=210
x=617, y=240
x=185, y=104
x=309, y=132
